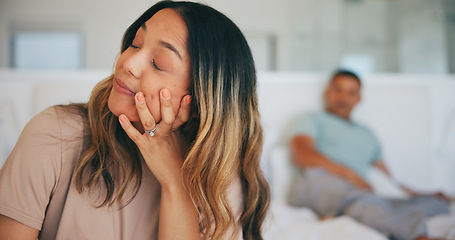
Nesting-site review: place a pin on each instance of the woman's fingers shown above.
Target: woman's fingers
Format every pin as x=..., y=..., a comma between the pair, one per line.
x=130, y=130
x=147, y=120
x=184, y=112
x=169, y=120
x=167, y=113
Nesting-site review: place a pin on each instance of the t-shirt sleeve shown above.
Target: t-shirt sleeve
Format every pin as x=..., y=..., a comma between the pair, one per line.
x=30, y=173
x=377, y=153
x=307, y=125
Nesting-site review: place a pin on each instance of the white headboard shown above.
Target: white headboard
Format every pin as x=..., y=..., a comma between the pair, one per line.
x=411, y=115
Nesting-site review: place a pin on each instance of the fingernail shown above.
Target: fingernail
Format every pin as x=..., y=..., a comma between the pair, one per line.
x=140, y=97
x=122, y=118
x=166, y=94
x=188, y=99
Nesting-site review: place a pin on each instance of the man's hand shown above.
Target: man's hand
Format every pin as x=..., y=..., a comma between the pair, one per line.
x=413, y=193
x=357, y=181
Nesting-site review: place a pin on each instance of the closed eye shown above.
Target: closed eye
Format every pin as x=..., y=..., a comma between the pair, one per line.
x=133, y=46
x=155, y=66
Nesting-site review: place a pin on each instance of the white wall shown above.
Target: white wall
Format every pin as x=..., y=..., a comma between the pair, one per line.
x=311, y=35
x=103, y=22
x=422, y=42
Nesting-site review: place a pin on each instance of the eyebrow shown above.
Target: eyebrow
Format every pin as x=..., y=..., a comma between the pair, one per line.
x=166, y=44
x=172, y=48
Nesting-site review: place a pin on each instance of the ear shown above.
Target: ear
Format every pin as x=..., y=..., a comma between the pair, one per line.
x=324, y=95
x=326, y=91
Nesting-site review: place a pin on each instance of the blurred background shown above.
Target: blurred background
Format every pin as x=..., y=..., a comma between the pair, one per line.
x=397, y=36
x=55, y=51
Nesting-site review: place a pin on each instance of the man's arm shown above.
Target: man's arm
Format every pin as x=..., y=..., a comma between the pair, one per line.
x=381, y=166
x=305, y=155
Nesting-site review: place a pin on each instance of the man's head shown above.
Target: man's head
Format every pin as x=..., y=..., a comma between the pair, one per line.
x=342, y=93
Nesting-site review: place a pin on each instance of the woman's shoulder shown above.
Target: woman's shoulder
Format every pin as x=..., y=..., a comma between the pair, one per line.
x=41, y=159
x=57, y=121
x=71, y=118
x=50, y=140
x=52, y=129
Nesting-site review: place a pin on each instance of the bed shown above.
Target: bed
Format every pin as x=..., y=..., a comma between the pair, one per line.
x=416, y=144
x=286, y=222
x=412, y=115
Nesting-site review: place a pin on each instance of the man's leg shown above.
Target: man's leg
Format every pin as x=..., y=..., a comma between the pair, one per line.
x=316, y=189
x=427, y=205
x=329, y=195
x=394, y=218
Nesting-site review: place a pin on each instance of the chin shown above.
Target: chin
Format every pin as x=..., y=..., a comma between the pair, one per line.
x=118, y=107
x=111, y=107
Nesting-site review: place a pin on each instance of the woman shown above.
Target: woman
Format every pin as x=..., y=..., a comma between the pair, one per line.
x=167, y=147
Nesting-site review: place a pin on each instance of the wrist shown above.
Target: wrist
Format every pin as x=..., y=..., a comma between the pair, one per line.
x=172, y=185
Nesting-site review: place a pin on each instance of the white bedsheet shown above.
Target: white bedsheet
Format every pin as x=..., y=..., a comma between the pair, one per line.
x=290, y=223
x=443, y=225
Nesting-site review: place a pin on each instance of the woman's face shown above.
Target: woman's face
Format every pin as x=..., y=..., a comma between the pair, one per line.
x=158, y=58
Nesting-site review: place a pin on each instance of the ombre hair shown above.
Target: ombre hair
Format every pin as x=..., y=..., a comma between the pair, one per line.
x=225, y=134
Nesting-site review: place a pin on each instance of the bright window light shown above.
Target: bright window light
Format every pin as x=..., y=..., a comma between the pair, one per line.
x=47, y=50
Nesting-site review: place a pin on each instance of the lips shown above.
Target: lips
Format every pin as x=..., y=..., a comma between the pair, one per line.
x=121, y=87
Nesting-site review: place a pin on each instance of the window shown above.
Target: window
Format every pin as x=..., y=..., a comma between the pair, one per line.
x=46, y=50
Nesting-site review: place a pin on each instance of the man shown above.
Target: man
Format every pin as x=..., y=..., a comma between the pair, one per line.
x=335, y=154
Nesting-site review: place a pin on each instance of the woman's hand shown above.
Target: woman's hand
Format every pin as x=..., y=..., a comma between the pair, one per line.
x=164, y=151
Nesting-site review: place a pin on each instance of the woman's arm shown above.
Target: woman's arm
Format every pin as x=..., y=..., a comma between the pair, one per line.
x=164, y=154
x=29, y=176
x=178, y=215
x=305, y=154
x=11, y=229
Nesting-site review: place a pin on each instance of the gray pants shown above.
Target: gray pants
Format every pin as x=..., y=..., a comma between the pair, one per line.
x=329, y=195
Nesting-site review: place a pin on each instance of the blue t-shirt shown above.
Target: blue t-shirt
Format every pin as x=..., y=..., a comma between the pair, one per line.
x=342, y=141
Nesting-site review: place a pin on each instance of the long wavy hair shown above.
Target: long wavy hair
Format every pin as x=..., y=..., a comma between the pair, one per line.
x=225, y=134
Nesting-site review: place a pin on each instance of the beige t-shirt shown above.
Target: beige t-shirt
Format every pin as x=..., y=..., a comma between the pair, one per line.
x=37, y=187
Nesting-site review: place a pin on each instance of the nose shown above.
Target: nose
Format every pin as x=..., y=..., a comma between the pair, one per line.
x=134, y=64
x=343, y=95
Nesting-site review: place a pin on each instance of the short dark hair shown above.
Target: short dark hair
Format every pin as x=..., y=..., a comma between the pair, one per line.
x=344, y=72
